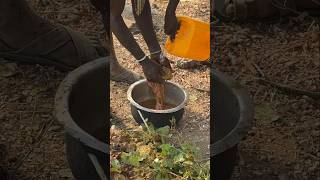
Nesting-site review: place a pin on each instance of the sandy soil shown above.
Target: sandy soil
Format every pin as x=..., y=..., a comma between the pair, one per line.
x=27, y=98
x=284, y=141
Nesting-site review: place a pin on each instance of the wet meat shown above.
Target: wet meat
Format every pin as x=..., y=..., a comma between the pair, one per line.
x=158, y=91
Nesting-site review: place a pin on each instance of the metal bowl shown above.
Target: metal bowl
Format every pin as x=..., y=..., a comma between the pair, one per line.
x=174, y=94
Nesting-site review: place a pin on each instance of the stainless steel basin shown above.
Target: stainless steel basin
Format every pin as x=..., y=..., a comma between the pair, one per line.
x=174, y=94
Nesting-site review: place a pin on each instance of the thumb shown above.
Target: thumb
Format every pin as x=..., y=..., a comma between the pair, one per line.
x=172, y=36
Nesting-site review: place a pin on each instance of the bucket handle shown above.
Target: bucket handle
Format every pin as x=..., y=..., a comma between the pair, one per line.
x=97, y=166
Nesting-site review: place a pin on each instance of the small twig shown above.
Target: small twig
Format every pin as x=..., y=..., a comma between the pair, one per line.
x=64, y=12
x=176, y=175
x=312, y=156
x=311, y=25
x=283, y=49
x=42, y=134
x=201, y=90
x=47, y=111
x=312, y=101
x=255, y=149
x=261, y=73
x=205, y=160
x=285, y=88
x=144, y=121
x=257, y=92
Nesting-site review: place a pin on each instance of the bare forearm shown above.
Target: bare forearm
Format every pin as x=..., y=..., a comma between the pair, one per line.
x=172, y=5
x=121, y=31
x=145, y=24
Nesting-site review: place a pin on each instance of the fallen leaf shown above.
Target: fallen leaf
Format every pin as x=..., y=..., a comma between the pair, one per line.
x=193, y=98
x=264, y=113
x=8, y=69
x=65, y=173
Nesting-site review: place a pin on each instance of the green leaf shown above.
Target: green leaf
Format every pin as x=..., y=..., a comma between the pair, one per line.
x=179, y=158
x=156, y=165
x=190, y=163
x=115, y=166
x=133, y=159
x=169, y=163
x=189, y=148
x=158, y=177
x=151, y=127
x=164, y=131
x=187, y=174
x=165, y=149
x=121, y=177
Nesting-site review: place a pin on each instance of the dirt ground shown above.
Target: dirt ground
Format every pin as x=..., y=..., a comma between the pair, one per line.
x=284, y=142
x=194, y=127
x=31, y=141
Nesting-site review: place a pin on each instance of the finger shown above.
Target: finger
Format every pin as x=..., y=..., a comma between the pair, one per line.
x=175, y=29
x=172, y=36
x=170, y=68
x=156, y=60
x=166, y=63
x=160, y=80
x=178, y=25
x=151, y=79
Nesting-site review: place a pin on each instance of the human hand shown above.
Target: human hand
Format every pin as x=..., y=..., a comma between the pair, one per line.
x=152, y=70
x=165, y=65
x=171, y=24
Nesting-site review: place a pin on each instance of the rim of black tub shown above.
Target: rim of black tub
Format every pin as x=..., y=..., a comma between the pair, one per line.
x=62, y=105
x=246, y=115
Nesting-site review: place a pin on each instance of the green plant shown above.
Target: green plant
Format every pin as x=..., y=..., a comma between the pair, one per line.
x=155, y=158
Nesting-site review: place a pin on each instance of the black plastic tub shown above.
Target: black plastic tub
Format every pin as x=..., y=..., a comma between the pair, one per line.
x=175, y=94
x=81, y=106
x=231, y=116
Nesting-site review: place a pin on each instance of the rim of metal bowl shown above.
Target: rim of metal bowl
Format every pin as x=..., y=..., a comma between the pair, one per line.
x=172, y=110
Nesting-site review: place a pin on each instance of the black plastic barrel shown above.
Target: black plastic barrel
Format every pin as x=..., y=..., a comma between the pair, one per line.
x=231, y=117
x=81, y=105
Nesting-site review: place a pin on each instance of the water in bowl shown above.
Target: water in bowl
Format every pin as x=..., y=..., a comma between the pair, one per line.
x=152, y=103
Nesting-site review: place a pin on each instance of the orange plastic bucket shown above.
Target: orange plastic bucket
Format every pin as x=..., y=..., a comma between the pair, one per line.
x=192, y=40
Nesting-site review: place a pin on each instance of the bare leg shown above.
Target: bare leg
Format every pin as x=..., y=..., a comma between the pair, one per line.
x=121, y=31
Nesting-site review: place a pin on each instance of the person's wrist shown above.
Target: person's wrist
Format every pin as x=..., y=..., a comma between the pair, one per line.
x=143, y=62
x=155, y=54
x=170, y=14
x=141, y=59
